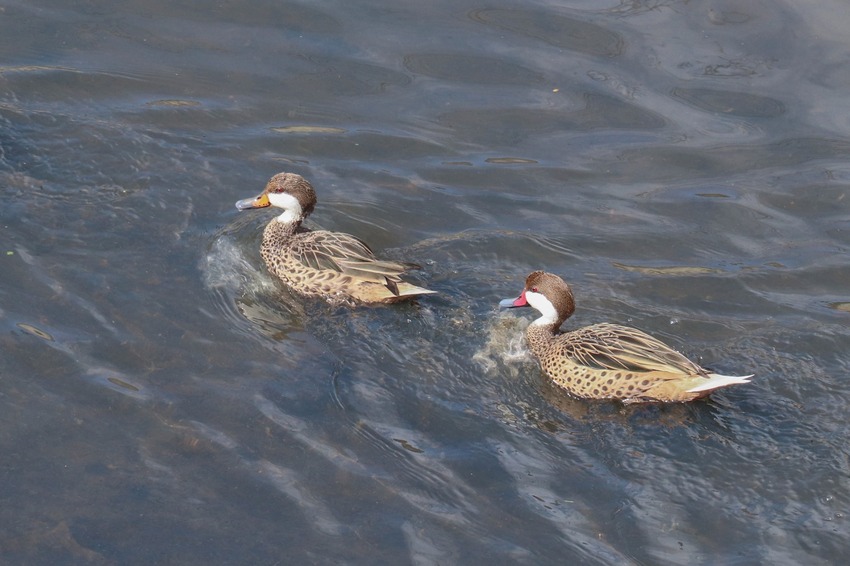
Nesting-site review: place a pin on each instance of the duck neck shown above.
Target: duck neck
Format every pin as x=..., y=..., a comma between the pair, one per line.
x=540, y=335
x=290, y=216
x=278, y=231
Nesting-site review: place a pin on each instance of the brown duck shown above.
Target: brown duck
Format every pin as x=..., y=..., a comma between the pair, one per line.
x=607, y=361
x=335, y=266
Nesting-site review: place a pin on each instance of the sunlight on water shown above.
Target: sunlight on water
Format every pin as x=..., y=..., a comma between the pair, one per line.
x=164, y=399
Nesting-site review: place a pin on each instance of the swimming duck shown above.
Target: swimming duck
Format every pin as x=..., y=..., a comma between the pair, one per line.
x=607, y=361
x=336, y=266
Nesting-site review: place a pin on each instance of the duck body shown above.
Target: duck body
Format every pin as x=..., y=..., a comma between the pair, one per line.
x=319, y=263
x=607, y=361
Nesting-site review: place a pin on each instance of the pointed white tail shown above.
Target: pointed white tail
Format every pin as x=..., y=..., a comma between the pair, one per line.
x=715, y=380
x=406, y=289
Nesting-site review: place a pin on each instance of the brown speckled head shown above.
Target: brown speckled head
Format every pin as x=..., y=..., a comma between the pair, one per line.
x=296, y=186
x=288, y=191
x=553, y=289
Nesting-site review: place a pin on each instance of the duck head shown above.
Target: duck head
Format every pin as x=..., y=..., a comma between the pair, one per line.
x=547, y=293
x=291, y=192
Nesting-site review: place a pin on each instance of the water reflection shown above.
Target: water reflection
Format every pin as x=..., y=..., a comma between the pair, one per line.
x=162, y=398
x=555, y=30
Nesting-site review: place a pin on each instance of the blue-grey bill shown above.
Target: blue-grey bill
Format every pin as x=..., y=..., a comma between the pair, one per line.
x=245, y=203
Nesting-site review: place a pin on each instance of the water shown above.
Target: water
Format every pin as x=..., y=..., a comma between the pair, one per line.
x=163, y=400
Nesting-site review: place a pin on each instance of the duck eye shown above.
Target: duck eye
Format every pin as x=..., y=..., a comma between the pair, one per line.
x=534, y=289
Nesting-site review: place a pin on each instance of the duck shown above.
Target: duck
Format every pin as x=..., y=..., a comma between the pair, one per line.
x=335, y=266
x=607, y=361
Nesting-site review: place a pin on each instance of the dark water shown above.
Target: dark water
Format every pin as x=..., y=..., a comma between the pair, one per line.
x=685, y=165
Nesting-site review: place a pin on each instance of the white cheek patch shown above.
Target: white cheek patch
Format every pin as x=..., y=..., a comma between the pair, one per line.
x=547, y=310
x=289, y=204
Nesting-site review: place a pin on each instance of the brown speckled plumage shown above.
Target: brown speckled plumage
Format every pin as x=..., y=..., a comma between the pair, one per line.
x=336, y=266
x=607, y=361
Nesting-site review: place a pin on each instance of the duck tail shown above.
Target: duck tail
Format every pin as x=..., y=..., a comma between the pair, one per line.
x=715, y=381
x=406, y=289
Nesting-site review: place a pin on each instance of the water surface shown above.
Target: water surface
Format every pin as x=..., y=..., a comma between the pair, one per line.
x=164, y=400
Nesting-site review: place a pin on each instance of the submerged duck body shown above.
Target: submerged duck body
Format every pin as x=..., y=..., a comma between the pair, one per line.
x=336, y=266
x=607, y=361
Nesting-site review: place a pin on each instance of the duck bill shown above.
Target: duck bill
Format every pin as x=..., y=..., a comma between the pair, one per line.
x=514, y=303
x=261, y=201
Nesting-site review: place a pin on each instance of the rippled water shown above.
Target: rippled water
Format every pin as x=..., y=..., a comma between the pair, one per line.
x=163, y=400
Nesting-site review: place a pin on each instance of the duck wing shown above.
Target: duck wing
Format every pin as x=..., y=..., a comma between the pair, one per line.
x=323, y=250
x=615, y=347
